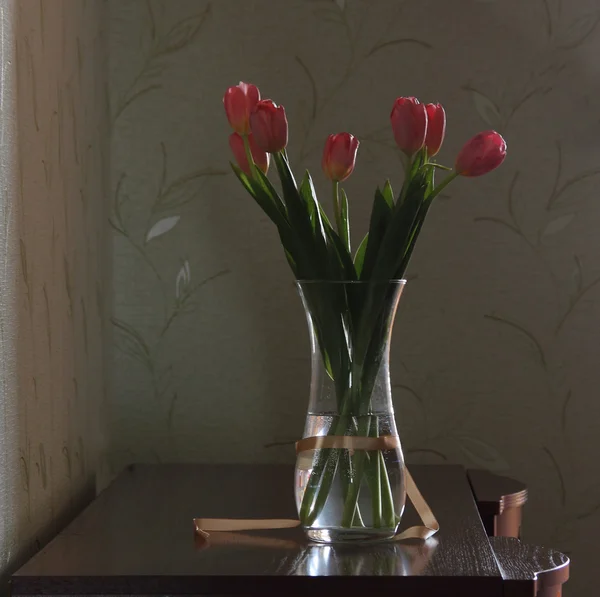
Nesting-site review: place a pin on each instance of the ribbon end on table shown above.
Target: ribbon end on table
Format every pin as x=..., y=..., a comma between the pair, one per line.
x=199, y=530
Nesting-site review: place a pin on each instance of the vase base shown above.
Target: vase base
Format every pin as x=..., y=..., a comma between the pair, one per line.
x=353, y=535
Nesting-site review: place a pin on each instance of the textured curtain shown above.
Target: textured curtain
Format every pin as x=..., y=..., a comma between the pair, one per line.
x=53, y=156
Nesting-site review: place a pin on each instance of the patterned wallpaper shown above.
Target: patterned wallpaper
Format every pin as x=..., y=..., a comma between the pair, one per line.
x=53, y=151
x=494, y=349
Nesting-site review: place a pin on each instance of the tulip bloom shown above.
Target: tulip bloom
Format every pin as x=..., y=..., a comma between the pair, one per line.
x=409, y=123
x=339, y=156
x=481, y=154
x=239, y=102
x=436, y=128
x=269, y=126
x=261, y=158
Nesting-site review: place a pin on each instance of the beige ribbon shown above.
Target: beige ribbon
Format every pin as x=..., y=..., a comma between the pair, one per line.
x=205, y=526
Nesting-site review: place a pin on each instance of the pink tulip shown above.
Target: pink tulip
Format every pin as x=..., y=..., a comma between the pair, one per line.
x=482, y=154
x=409, y=123
x=239, y=101
x=436, y=128
x=339, y=156
x=269, y=126
x=261, y=158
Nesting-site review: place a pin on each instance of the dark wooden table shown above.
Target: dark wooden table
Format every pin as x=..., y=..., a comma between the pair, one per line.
x=137, y=538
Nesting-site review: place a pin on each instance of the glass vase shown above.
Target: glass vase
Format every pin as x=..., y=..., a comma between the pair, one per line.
x=347, y=490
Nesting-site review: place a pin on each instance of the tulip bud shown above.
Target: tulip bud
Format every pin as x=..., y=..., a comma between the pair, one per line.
x=436, y=128
x=339, y=156
x=269, y=126
x=261, y=158
x=409, y=123
x=239, y=101
x=481, y=154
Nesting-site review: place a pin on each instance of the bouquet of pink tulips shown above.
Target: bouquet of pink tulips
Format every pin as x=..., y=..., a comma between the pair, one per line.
x=314, y=248
x=350, y=326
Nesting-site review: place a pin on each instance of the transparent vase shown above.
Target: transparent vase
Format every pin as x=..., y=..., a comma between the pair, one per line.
x=350, y=489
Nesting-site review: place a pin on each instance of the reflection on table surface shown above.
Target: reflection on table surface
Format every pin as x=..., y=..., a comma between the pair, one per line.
x=311, y=559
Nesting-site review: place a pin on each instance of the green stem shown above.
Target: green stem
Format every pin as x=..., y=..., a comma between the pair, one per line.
x=376, y=489
x=359, y=465
x=336, y=208
x=346, y=477
x=321, y=478
x=443, y=185
x=249, y=155
x=388, y=514
x=407, y=169
x=435, y=165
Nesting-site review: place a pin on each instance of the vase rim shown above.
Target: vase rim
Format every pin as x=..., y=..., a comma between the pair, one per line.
x=401, y=281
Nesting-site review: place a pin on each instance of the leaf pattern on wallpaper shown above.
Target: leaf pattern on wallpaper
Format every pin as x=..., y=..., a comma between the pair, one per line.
x=580, y=292
x=589, y=502
x=563, y=191
x=578, y=31
x=183, y=279
x=130, y=340
x=398, y=42
x=481, y=453
x=162, y=227
x=577, y=275
x=183, y=190
x=183, y=301
x=487, y=109
x=499, y=112
x=519, y=327
x=131, y=343
x=321, y=100
x=559, y=474
x=512, y=223
x=558, y=224
x=552, y=10
x=178, y=37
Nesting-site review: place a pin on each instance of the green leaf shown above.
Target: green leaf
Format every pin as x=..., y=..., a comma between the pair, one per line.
x=291, y=262
x=243, y=178
x=308, y=194
x=414, y=235
x=359, y=258
x=267, y=202
x=430, y=179
x=417, y=163
x=388, y=194
x=288, y=182
x=259, y=195
x=392, y=248
x=380, y=218
x=330, y=247
x=344, y=259
x=291, y=244
x=428, y=173
x=272, y=191
x=319, y=236
x=308, y=254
